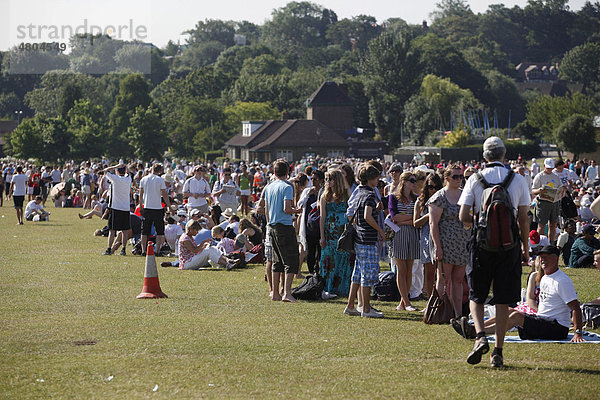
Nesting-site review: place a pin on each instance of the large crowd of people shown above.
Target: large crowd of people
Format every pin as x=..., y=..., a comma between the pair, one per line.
x=424, y=219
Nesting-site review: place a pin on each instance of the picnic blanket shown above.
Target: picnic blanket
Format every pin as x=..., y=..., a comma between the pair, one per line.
x=590, y=337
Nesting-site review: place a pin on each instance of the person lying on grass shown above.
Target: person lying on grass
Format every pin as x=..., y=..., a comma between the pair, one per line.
x=227, y=245
x=196, y=256
x=557, y=300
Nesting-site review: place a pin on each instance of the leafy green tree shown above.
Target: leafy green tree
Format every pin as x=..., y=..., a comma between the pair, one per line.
x=87, y=126
x=547, y=113
x=146, y=134
x=199, y=55
x=249, y=29
x=577, y=135
x=420, y=120
x=247, y=111
x=213, y=30
x=9, y=103
x=133, y=58
x=505, y=98
x=456, y=138
x=200, y=128
x=171, y=49
x=43, y=138
x=449, y=8
x=353, y=33
x=391, y=72
x=297, y=25
x=133, y=92
x=582, y=64
x=231, y=60
x=69, y=95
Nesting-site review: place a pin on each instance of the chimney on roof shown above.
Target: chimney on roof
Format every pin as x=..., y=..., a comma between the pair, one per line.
x=285, y=115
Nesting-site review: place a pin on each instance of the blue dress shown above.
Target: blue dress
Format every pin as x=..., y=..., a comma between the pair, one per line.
x=335, y=265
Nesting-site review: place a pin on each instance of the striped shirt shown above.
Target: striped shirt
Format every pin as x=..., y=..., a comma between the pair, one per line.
x=365, y=233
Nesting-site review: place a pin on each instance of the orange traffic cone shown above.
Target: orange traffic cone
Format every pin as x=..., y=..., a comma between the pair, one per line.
x=151, y=289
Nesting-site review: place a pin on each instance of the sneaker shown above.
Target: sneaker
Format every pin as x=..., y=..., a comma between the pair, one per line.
x=457, y=327
x=232, y=264
x=107, y=252
x=123, y=252
x=467, y=329
x=371, y=314
x=360, y=308
x=411, y=308
x=496, y=361
x=353, y=312
x=480, y=348
x=165, y=264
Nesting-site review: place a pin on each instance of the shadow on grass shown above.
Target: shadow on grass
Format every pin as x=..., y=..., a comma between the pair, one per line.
x=568, y=369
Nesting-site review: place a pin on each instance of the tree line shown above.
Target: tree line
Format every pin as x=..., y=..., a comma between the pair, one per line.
x=406, y=80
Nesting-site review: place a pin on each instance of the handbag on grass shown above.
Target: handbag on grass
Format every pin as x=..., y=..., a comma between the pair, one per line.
x=439, y=309
x=346, y=240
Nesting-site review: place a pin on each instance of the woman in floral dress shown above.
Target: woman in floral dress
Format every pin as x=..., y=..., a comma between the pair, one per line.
x=335, y=265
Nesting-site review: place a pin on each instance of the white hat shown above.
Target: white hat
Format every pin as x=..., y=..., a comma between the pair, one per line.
x=549, y=163
x=228, y=212
x=493, y=142
x=424, y=169
x=194, y=212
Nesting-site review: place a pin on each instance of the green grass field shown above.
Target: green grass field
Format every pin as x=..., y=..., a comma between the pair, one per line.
x=70, y=321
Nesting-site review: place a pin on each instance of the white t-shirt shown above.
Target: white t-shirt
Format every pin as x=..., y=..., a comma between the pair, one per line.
x=556, y=291
x=32, y=207
x=172, y=233
x=196, y=186
x=543, y=179
x=120, y=190
x=566, y=175
x=518, y=189
x=20, y=181
x=152, y=185
x=56, y=174
x=592, y=172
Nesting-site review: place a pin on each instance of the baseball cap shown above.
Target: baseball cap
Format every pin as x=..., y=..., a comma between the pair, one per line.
x=493, y=142
x=589, y=229
x=534, y=237
x=549, y=163
x=550, y=249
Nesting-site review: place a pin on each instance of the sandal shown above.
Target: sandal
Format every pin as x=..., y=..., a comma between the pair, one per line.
x=411, y=308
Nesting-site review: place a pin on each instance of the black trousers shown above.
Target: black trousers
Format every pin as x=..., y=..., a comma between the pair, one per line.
x=313, y=254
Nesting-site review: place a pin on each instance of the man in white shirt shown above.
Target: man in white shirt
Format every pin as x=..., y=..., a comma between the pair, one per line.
x=35, y=207
x=119, y=205
x=56, y=175
x=535, y=167
x=152, y=188
x=18, y=190
x=591, y=173
x=197, y=189
x=502, y=267
x=547, y=207
x=567, y=177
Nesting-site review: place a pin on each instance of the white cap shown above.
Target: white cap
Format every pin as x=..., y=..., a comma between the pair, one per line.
x=493, y=142
x=549, y=163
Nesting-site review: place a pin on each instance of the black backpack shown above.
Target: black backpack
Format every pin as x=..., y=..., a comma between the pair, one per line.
x=568, y=209
x=496, y=226
x=238, y=255
x=386, y=289
x=310, y=288
x=591, y=315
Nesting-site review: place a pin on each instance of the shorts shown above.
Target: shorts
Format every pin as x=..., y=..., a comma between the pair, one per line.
x=503, y=268
x=268, y=247
x=203, y=209
x=285, y=249
x=366, y=265
x=30, y=190
x=18, y=200
x=7, y=188
x=153, y=217
x=536, y=327
x=86, y=189
x=546, y=212
x=119, y=220
x=245, y=192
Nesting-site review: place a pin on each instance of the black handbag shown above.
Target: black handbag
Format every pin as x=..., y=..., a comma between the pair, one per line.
x=346, y=240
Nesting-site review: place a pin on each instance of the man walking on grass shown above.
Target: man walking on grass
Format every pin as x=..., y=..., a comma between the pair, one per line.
x=279, y=197
x=120, y=194
x=503, y=266
x=18, y=189
x=152, y=188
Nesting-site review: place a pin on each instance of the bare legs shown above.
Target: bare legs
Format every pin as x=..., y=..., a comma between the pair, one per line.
x=404, y=280
x=450, y=280
x=429, y=278
x=287, y=289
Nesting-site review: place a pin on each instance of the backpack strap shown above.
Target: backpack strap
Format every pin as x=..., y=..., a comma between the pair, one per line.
x=482, y=180
x=506, y=182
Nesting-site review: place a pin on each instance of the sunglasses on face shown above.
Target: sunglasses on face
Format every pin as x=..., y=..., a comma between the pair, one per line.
x=433, y=187
x=457, y=177
x=412, y=180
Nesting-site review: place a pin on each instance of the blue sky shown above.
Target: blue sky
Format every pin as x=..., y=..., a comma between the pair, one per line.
x=166, y=20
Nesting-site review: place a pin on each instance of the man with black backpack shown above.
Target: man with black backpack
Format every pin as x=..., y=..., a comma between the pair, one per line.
x=500, y=200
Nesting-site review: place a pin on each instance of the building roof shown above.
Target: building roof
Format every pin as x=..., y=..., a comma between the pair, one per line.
x=289, y=133
x=329, y=94
x=8, y=126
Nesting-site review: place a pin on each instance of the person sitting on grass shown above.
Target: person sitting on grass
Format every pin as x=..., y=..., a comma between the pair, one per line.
x=34, y=211
x=529, y=306
x=558, y=300
x=582, y=251
x=227, y=245
x=173, y=231
x=196, y=256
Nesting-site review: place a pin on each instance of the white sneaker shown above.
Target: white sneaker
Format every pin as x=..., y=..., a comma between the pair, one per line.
x=372, y=314
x=360, y=308
x=353, y=312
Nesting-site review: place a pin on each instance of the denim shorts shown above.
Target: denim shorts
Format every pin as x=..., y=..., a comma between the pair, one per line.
x=366, y=265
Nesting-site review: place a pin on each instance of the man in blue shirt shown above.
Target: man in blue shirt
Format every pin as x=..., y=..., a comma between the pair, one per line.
x=279, y=207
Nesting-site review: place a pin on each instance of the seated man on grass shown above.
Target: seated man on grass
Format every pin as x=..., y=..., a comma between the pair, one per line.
x=557, y=300
x=35, y=208
x=582, y=251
